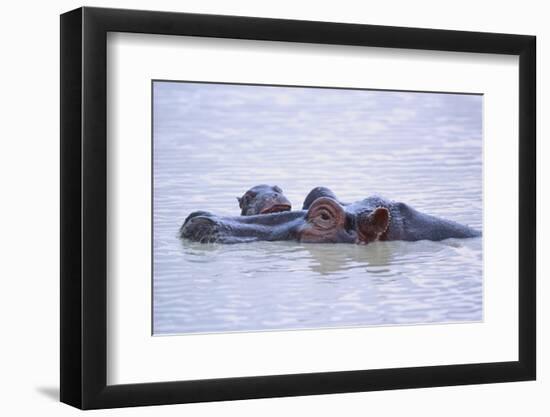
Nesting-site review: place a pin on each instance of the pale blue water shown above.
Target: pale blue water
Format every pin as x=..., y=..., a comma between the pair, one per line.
x=212, y=142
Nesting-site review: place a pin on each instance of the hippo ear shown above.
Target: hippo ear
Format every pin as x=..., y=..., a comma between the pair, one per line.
x=372, y=225
x=240, y=200
x=379, y=220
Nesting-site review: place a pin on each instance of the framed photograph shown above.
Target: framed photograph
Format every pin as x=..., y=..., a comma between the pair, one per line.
x=257, y=208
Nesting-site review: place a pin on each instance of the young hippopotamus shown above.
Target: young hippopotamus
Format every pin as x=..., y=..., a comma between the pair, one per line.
x=263, y=199
x=396, y=221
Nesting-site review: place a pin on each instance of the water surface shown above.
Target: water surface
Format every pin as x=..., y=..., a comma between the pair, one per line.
x=212, y=142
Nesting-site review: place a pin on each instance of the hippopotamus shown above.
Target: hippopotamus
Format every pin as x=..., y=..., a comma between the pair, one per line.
x=324, y=219
x=263, y=199
x=396, y=220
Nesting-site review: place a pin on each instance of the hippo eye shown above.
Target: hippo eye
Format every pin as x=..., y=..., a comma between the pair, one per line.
x=326, y=214
x=324, y=218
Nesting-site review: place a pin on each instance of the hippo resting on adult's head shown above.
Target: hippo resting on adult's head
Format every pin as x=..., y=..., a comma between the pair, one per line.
x=263, y=199
x=403, y=222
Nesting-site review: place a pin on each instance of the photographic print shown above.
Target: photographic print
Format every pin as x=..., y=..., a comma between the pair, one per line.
x=287, y=207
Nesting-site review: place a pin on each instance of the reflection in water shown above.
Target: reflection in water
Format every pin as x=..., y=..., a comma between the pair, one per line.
x=328, y=259
x=423, y=149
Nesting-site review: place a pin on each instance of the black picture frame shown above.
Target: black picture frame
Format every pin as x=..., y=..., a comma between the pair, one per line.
x=84, y=207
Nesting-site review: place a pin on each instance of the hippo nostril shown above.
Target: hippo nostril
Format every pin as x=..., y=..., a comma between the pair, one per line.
x=197, y=214
x=203, y=222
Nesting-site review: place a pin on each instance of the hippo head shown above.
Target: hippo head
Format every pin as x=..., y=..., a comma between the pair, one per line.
x=372, y=225
x=326, y=222
x=263, y=199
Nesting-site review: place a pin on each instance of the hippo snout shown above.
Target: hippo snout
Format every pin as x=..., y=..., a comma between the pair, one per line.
x=274, y=203
x=200, y=227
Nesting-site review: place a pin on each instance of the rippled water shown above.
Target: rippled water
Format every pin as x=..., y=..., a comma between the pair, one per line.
x=212, y=142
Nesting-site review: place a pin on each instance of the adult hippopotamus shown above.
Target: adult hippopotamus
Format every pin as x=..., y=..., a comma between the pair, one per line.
x=263, y=199
x=324, y=219
x=399, y=221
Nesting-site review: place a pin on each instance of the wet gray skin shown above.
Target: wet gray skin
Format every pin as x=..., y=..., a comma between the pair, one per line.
x=263, y=199
x=403, y=222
